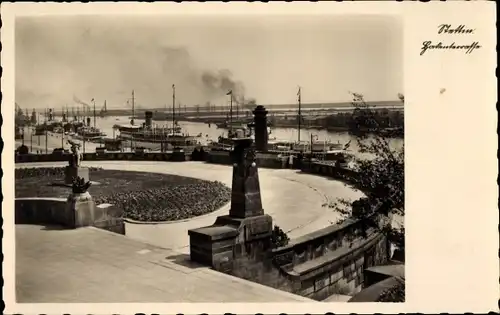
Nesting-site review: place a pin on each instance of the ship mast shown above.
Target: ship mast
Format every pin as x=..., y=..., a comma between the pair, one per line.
x=230, y=93
x=237, y=111
x=173, y=108
x=299, y=94
x=94, y=111
x=133, y=108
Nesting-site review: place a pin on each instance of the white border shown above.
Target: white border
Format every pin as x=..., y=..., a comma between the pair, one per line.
x=451, y=219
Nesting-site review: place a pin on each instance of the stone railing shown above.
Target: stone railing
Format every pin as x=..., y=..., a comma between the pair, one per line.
x=329, y=261
x=264, y=159
x=329, y=169
x=55, y=211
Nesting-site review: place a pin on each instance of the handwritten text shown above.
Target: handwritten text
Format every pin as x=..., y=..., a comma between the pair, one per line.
x=448, y=29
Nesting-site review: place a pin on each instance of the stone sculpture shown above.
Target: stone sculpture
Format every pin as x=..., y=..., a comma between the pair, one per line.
x=80, y=185
x=74, y=170
x=76, y=157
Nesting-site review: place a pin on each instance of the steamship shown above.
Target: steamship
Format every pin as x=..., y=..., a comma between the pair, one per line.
x=89, y=133
x=147, y=133
x=151, y=136
x=314, y=146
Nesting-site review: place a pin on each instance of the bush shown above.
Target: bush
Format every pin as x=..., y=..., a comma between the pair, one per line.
x=279, y=237
x=394, y=294
x=381, y=178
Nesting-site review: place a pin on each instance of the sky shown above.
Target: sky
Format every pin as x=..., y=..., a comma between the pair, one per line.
x=65, y=60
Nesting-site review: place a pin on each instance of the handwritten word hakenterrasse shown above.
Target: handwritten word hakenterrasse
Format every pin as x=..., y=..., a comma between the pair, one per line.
x=447, y=29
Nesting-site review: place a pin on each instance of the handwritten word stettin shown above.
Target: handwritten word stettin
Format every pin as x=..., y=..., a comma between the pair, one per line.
x=461, y=29
x=428, y=45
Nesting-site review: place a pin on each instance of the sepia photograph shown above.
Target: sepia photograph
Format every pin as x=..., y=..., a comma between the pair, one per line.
x=249, y=158
x=209, y=159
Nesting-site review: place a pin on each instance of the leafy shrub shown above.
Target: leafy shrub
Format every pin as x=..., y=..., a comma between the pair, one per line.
x=394, y=294
x=279, y=237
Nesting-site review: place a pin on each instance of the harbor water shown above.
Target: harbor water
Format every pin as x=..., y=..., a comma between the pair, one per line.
x=208, y=132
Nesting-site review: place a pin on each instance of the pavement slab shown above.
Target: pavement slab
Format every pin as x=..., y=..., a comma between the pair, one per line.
x=89, y=265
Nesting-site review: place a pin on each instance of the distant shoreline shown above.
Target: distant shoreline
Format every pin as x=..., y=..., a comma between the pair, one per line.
x=215, y=108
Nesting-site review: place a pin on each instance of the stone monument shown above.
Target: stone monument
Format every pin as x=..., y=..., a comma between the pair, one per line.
x=233, y=237
x=260, y=123
x=80, y=205
x=74, y=170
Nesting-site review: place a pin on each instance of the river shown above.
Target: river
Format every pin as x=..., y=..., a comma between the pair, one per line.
x=211, y=132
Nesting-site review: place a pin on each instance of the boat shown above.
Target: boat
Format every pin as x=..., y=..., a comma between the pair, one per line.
x=163, y=137
x=233, y=124
x=225, y=142
x=239, y=128
x=315, y=147
x=89, y=133
x=318, y=146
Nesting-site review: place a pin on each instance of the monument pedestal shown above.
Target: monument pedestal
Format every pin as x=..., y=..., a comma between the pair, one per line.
x=73, y=172
x=213, y=246
x=81, y=210
x=228, y=239
x=246, y=229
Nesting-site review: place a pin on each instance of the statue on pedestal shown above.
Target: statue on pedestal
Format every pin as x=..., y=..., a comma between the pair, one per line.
x=74, y=169
x=76, y=157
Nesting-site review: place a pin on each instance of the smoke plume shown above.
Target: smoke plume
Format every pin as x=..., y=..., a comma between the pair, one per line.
x=97, y=58
x=77, y=100
x=219, y=83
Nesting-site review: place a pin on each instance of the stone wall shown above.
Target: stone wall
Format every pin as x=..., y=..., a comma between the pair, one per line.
x=318, y=265
x=329, y=169
x=330, y=261
x=55, y=211
x=127, y=156
x=42, y=211
x=219, y=157
x=264, y=160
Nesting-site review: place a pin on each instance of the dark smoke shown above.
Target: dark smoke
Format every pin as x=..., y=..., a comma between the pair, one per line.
x=217, y=84
x=77, y=100
x=108, y=63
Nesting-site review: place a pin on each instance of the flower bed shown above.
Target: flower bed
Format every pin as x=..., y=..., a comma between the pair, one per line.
x=143, y=196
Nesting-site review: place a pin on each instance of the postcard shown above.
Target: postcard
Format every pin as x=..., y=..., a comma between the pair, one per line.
x=249, y=157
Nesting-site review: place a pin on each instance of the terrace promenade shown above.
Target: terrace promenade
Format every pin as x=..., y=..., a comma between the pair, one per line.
x=90, y=265
x=151, y=263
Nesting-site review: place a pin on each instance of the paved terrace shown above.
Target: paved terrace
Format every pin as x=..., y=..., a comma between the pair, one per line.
x=89, y=265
